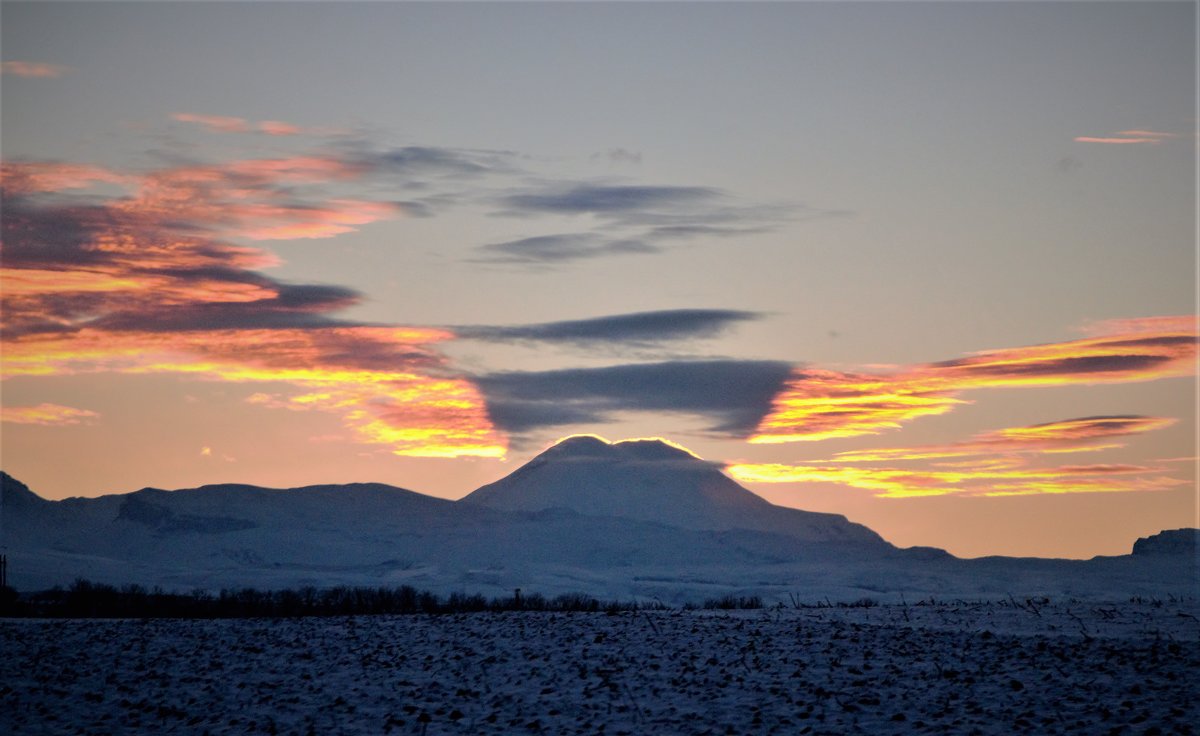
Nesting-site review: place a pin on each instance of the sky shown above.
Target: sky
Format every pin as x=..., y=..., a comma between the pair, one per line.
x=928, y=265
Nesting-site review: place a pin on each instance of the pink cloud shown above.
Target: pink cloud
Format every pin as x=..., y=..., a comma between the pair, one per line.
x=144, y=281
x=50, y=176
x=32, y=69
x=337, y=217
x=229, y=124
x=275, y=127
x=1146, y=134
x=216, y=123
x=1127, y=136
x=1090, y=139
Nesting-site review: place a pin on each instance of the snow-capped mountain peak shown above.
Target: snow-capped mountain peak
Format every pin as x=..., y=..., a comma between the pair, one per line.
x=653, y=480
x=590, y=446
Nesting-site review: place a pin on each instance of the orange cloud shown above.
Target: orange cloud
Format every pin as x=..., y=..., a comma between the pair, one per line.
x=32, y=69
x=983, y=481
x=381, y=381
x=822, y=404
x=144, y=283
x=997, y=465
x=47, y=415
x=1071, y=435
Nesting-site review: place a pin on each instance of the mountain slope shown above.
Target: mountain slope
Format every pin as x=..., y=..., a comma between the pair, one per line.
x=700, y=536
x=219, y=536
x=651, y=480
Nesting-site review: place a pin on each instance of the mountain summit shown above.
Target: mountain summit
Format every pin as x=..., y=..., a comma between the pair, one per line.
x=653, y=480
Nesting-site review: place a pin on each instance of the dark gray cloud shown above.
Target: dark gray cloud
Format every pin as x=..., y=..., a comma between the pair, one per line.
x=733, y=394
x=636, y=219
x=41, y=237
x=430, y=160
x=637, y=329
x=611, y=200
x=1081, y=365
x=708, y=231
x=560, y=248
x=432, y=178
x=196, y=281
x=294, y=306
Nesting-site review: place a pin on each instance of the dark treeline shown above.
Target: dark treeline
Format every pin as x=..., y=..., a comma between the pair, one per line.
x=85, y=599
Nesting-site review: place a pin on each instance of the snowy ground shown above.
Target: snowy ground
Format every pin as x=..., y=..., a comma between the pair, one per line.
x=992, y=668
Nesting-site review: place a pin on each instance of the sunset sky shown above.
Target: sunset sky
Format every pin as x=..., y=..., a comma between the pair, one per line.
x=931, y=266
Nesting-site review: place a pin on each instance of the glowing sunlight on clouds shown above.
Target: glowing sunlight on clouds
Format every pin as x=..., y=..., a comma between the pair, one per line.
x=49, y=415
x=982, y=481
x=139, y=283
x=822, y=404
x=999, y=463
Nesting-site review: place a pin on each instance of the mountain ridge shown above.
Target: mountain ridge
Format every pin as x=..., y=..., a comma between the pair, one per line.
x=642, y=519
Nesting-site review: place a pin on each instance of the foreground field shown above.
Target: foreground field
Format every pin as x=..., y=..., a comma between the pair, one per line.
x=997, y=667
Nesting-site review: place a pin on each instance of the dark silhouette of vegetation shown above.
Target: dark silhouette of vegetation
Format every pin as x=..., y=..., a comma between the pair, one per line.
x=85, y=599
x=731, y=602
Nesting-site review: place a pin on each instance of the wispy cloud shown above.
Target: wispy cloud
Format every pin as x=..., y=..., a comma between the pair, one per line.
x=433, y=161
x=215, y=123
x=145, y=280
x=619, y=156
x=32, y=177
x=32, y=69
x=1086, y=434
x=229, y=124
x=1127, y=137
x=259, y=199
x=278, y=127
x=613, y=201
x=1147, y=134
x=47, y=415
x=146, y=271
x=637, y=329
x=822, y=404
x=560, y=248
x=995, y=463
x=983, y=481
x=630, y=219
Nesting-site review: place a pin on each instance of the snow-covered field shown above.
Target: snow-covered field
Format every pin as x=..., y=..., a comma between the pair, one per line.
x=994, y=668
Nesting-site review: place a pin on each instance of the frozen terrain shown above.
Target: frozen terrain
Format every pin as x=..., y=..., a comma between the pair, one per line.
x=636, y=520
x=996, y=667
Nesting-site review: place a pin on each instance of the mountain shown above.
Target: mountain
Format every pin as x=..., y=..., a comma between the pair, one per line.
x=652, y=480
x=1169, y=542
x=637, y=519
